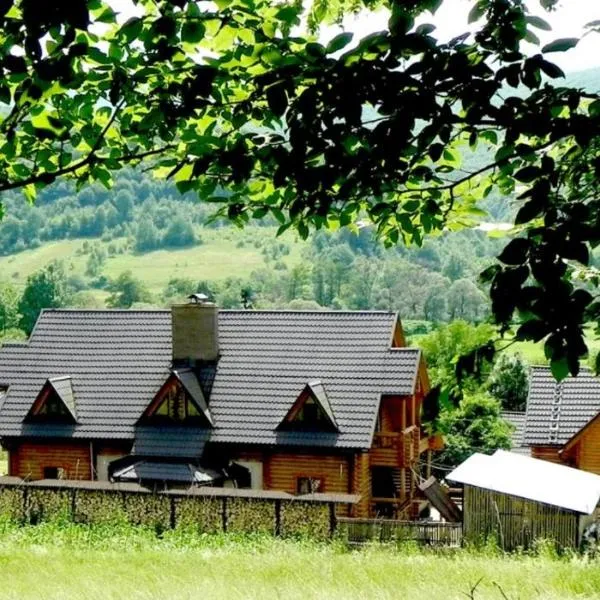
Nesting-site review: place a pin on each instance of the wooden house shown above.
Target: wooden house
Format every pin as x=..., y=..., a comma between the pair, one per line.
x=517, y=499
x=302, y=402
x=562, y=421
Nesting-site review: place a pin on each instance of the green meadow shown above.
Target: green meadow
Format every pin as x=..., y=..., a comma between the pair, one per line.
x=54, y=561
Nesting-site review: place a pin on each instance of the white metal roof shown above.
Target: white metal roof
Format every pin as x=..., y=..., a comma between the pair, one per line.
x=531, y=478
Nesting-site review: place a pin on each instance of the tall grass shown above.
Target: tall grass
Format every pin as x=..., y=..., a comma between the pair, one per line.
x=65, y=560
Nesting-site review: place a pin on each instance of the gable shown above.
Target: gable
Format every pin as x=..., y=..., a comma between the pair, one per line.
x=55, y=403
x=311, y=411
x=557, y=411
x=180, y=401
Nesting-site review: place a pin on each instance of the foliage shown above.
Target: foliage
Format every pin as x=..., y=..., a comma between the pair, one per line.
x=238, y=103
x=475, y=426
x=9, y=305
x=444, y=346
x=126, y=290
x=508, y=382
x=47, y=288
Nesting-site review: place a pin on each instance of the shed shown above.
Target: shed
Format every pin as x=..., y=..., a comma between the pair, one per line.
x=518, y=499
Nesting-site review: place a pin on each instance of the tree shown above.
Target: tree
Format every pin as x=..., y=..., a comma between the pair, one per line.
x=465, y=301
x=147, y=236
x=126, y=290
x=509, y=382
x=475, y=426
x=444, y=347
x=179, y=234
x=47, y=288
x=9, y=307
x=238, y=103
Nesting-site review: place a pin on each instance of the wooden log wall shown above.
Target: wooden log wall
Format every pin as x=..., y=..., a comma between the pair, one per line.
x=28, y=460
x=588, y=449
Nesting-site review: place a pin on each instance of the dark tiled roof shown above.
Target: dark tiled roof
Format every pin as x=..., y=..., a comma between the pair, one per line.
x=557, y=411
x=118, y=360
x=517, y=420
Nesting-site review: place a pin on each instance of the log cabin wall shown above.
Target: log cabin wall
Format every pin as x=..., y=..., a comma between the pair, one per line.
x=587, y=455
x=361, y=484
x=34, y=460
x=549, y=453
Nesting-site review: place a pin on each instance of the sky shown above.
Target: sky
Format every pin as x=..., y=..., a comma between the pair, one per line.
x=567, y=20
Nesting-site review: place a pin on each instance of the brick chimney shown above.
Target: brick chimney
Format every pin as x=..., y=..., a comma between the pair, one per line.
x=195, y=331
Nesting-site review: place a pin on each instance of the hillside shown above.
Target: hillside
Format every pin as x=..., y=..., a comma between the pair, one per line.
x=171, y=245
x=226, y=252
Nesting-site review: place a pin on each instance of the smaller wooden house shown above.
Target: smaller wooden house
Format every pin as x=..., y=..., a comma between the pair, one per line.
x=518, y=499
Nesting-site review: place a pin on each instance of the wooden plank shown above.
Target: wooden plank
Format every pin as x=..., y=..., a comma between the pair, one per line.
x=440, y=500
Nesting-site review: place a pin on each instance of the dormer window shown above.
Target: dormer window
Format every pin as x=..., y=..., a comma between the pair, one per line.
x=55, y=403
x=311, y=411
x=180, y=401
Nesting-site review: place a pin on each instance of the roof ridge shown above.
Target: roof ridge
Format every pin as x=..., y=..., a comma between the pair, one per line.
x=223, y=310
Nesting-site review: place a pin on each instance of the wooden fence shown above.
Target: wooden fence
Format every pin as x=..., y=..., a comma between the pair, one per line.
x=359, y=531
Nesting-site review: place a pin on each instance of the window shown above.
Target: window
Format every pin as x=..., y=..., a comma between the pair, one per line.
x=309, y=485
x=53, y=408
x=177, y=408
x=54, y=473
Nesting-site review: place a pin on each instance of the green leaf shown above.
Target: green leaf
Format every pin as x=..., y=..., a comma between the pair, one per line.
x=192, y=32
x=538, y=23
x=108, y=15
x=561, y=45
x=515, y=253
x=551, y=69
x=559, y=368
x=132, y=28
x=477, y=12
x=4, y=93
x=339, y=42
x=527, y=174
x=277, y=99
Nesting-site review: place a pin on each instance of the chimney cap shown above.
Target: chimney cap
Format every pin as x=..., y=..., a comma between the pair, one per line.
x=198, y=298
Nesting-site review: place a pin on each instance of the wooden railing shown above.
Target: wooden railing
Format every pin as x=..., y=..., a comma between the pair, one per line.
x=357, y=531
x=396, y=448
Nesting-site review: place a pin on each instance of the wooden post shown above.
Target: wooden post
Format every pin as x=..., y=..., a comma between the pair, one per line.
x=428, y=467
x=332, y=520
x=278, y=517
x=172, y=515
x=73, y=503
x=224, y=514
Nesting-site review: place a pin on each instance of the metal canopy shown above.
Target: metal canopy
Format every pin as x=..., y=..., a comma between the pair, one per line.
x=175, y=472
x=532, y=479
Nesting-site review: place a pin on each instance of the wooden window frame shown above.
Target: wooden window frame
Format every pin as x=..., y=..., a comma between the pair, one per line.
x=309, y=478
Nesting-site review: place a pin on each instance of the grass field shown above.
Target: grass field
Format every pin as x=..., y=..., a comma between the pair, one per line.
x=74, y=562
x=227, y=252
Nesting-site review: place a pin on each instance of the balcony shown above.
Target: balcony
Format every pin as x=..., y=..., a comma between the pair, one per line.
x=395, y=448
